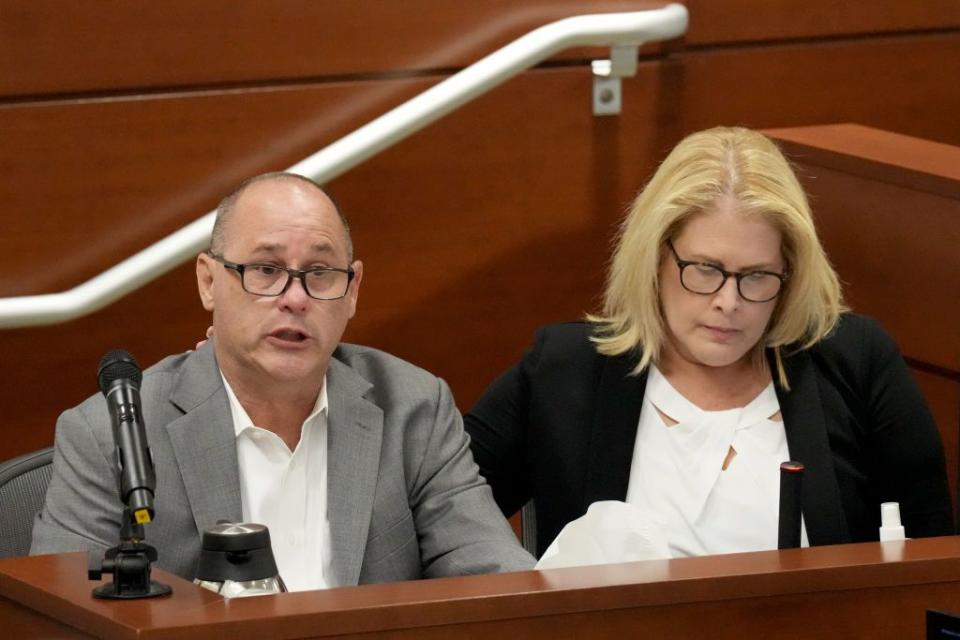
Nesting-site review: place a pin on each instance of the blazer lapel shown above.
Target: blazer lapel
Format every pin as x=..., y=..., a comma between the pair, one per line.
x=354, y=434
x=204, y=442
x=807, y=439
x=619, y=398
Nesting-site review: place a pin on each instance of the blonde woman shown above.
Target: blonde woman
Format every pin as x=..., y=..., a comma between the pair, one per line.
x=722, y=349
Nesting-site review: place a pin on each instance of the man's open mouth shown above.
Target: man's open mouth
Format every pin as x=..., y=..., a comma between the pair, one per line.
x=289, y=335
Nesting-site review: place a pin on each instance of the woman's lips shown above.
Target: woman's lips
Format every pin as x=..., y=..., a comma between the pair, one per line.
x=721, y=334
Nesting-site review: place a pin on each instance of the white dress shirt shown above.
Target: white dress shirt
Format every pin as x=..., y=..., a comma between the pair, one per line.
x=677, y=473
x=287, y=492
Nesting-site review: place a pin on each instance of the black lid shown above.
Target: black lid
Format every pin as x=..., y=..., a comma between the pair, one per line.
x=238, y=552
x=229, y=536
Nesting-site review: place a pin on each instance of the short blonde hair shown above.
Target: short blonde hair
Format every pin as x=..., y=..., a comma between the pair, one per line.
x=703, y=167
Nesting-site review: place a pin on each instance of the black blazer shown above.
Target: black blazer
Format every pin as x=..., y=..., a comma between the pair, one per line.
x=559, y=427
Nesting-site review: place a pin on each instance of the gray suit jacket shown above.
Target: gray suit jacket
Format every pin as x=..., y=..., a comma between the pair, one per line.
x=405, y=499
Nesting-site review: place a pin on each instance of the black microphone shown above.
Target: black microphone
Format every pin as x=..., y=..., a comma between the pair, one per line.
x=791, y=478
x=119, y=378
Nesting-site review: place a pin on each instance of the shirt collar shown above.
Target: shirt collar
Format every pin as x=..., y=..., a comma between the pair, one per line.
x=242, y=421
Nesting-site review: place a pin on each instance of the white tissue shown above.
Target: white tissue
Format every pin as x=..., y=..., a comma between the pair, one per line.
x=610, y=531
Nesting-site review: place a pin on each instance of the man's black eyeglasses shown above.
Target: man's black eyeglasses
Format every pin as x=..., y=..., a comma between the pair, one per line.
x=321, y=283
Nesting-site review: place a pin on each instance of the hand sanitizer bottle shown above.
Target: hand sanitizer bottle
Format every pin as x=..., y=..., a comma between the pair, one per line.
x=890, y=527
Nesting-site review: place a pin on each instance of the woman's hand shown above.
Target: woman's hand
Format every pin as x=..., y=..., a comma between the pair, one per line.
x=204, y=341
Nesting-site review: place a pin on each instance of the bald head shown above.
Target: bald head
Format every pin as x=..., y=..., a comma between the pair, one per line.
x=225, y=209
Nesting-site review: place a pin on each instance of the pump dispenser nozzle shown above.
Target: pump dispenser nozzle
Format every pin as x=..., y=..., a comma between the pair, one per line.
x=890, y=527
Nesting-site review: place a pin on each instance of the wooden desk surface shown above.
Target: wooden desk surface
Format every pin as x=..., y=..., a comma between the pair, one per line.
x=849, y=591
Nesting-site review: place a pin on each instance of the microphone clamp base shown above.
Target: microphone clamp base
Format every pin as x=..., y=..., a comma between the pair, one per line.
x=130, y=564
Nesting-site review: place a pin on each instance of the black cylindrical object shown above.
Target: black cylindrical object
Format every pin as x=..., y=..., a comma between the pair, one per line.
x=791, y=481
x=119, y=377
x=237, y=560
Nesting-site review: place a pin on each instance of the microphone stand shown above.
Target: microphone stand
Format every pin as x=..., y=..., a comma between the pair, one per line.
x=119, y=378
x=130, y=563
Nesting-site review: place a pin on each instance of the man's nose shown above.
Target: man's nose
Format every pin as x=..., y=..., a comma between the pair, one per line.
x=295, y=296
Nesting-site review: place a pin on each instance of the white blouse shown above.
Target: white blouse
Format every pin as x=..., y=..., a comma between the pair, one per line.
x=677, y=474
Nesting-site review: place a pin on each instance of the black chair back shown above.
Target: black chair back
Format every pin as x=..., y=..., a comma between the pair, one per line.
x=23, y=486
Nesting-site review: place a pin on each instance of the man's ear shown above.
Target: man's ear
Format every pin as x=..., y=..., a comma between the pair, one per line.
x=354, y=291
x=205, y=280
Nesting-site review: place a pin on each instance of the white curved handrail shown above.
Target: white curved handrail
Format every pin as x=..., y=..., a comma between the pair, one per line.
x=611, y=29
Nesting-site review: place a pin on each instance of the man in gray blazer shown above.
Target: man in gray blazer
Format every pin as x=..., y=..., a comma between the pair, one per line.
x=356, y=460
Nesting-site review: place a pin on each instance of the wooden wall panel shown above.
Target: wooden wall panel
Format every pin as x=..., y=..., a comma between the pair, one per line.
x=905, y=161
x=889, y=83
x=892, y=233
x=86, y=182
x=52, y=368
x=896, y=250
x=943, y=395
x=474, y=231
x=445, y=223
x=55, y=47
x=132, y=170
x=888, y=212
x=52, y=46
x=737, y=21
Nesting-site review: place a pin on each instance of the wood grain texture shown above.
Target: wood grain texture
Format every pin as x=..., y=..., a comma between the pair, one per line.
x=848, y=591
x=896, y=251
x=943, y=396
x=22, y=622
x=52, y=47
x=905, y=161
x=888, y=212
x=56, y=47
x=715, y=22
